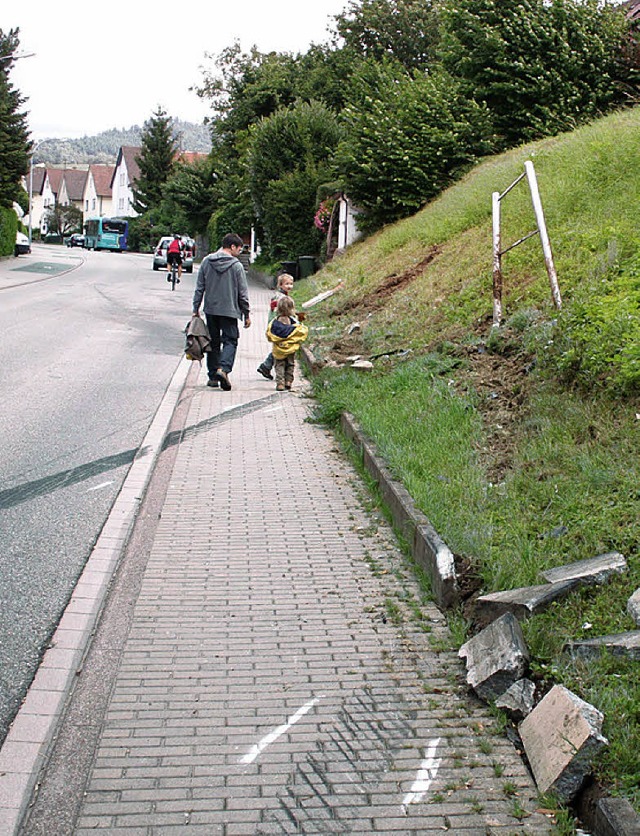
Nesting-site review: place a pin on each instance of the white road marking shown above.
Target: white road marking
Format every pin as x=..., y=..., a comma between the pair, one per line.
x=426, y=775
x=100, y=486
x=253, y=753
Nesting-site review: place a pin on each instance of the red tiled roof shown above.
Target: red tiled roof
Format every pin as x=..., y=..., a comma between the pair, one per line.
x=39, y=174
x=102, y=176
x=75, y=180
x=190, y=157
x=55, y=176
x=633, y=9
x=129, y=152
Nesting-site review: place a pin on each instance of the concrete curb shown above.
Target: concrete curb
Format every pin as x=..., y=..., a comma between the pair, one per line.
x=429, y=550
x=26, y=746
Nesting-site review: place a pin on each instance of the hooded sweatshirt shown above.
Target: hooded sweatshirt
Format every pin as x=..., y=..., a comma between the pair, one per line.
x=223, y=283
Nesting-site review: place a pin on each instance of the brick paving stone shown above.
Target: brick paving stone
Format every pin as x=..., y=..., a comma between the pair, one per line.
x=263, y=687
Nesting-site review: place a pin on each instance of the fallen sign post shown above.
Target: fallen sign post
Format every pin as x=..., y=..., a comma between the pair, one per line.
x=541, y=230
x=321, y=297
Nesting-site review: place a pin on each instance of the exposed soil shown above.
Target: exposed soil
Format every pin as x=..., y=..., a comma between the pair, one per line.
x=378, y=297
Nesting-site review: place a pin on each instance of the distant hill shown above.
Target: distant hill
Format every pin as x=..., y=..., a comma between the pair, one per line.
x=104, y=147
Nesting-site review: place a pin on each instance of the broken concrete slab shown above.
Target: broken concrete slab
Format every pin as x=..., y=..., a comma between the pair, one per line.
x=321, y=297
x=593, y=570
x=619, y=644
x=518, y=700
x=496, y=657
x=363, y=365
x=523, y=602
x=616, y=817
x=633, y=606
x=561, y=738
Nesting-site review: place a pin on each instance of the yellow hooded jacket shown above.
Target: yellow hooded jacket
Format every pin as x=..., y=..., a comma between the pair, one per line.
x=283, y=346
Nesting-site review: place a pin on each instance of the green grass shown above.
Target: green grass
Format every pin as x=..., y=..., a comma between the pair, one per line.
x=568, y=485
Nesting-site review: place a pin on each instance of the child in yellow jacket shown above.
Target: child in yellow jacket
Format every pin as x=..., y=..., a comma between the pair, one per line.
x=287, y=335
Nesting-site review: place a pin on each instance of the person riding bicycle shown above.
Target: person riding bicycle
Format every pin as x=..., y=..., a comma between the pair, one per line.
x=175, y=253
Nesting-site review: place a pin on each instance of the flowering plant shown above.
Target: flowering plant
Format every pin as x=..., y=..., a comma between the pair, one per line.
x=323, y=215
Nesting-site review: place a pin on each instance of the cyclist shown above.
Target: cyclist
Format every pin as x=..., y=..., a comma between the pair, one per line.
x=175, y=253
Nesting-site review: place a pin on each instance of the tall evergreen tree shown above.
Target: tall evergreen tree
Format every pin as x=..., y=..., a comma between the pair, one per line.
x=14, y=134
x=156, y=161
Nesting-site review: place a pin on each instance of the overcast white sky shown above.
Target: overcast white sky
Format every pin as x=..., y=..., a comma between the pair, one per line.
x=102, y=64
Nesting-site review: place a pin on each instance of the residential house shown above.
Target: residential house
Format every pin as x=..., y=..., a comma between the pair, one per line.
x=34, y=187
x=72, y=187
x=125, y=174
x=97, y=198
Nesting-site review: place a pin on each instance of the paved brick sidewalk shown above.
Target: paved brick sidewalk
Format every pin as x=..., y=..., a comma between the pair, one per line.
x=282, y=673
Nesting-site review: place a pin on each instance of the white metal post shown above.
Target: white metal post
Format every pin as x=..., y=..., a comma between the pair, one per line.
x=497, y=262
x=542, y=229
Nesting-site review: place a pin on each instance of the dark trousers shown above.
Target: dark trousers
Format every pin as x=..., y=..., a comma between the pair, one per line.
x=224, y=334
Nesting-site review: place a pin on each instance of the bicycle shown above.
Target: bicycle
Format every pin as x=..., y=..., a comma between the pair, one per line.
x=173, y=277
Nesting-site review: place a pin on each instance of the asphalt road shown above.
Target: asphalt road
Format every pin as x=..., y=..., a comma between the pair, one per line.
x=89, y=344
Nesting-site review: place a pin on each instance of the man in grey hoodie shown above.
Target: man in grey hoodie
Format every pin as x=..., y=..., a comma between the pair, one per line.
x=223, y=283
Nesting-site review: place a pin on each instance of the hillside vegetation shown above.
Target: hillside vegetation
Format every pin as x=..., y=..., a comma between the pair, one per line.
x=104, y=147
x=519, y=443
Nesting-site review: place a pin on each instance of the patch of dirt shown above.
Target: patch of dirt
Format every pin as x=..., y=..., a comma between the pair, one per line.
x=379, y=296
x=502, y=385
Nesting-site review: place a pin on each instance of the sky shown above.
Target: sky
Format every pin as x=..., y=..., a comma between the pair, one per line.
x=101, y=64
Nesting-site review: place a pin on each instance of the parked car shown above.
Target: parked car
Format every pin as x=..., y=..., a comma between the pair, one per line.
x=22, y=244
x=75, y=240
x=160, y=253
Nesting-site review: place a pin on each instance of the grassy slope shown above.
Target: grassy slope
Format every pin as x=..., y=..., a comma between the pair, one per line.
x=518, y=470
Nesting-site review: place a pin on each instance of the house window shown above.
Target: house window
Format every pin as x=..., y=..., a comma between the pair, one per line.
x=86, y=205
x=122, y=178
x=121, y=204
x=93, y=203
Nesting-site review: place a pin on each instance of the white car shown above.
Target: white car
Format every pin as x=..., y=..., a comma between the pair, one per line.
x=22, y=244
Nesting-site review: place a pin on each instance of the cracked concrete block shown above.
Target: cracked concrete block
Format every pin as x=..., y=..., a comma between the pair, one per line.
x=518, y=700
x=496, y=657
x=619, y=644
x=594, y=570
x=522, y=602
x=633, y=606
x=616, y=817
x=561, y=737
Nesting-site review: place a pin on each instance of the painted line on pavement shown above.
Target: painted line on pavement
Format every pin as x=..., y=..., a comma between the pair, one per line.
x=256, y=750
x=426, y=775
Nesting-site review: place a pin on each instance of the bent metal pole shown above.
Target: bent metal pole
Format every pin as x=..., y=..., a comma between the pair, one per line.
x=542, y=229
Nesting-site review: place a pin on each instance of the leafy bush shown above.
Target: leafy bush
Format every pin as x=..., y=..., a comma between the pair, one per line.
x=8, y=229
x=288, y=158
x=595, y=342
x=407, y=140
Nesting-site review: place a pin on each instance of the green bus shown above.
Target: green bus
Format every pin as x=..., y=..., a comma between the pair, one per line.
x=106, y=234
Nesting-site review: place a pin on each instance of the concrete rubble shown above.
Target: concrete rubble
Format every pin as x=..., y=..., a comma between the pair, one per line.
x=523, y=602
x=518, y=700
x=496, y=657
x=619, y=644
x=594, y=570
x=633, y=607
x=561, y=738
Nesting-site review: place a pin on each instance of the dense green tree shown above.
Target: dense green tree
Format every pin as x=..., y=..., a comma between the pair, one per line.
x=405, y=30
x=407, y=140
x=541, y=67
x=14, y=135
x=292, y=148
x=190, y=189
x=62, y=220
x=156, y=161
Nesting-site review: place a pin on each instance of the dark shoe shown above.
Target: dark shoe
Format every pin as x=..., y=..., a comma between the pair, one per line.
x=264, y=371
x=225, y=383
x=288, y=385
x=213, y=383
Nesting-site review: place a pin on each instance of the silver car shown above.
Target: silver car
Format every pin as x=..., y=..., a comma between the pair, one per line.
x=160, y=253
